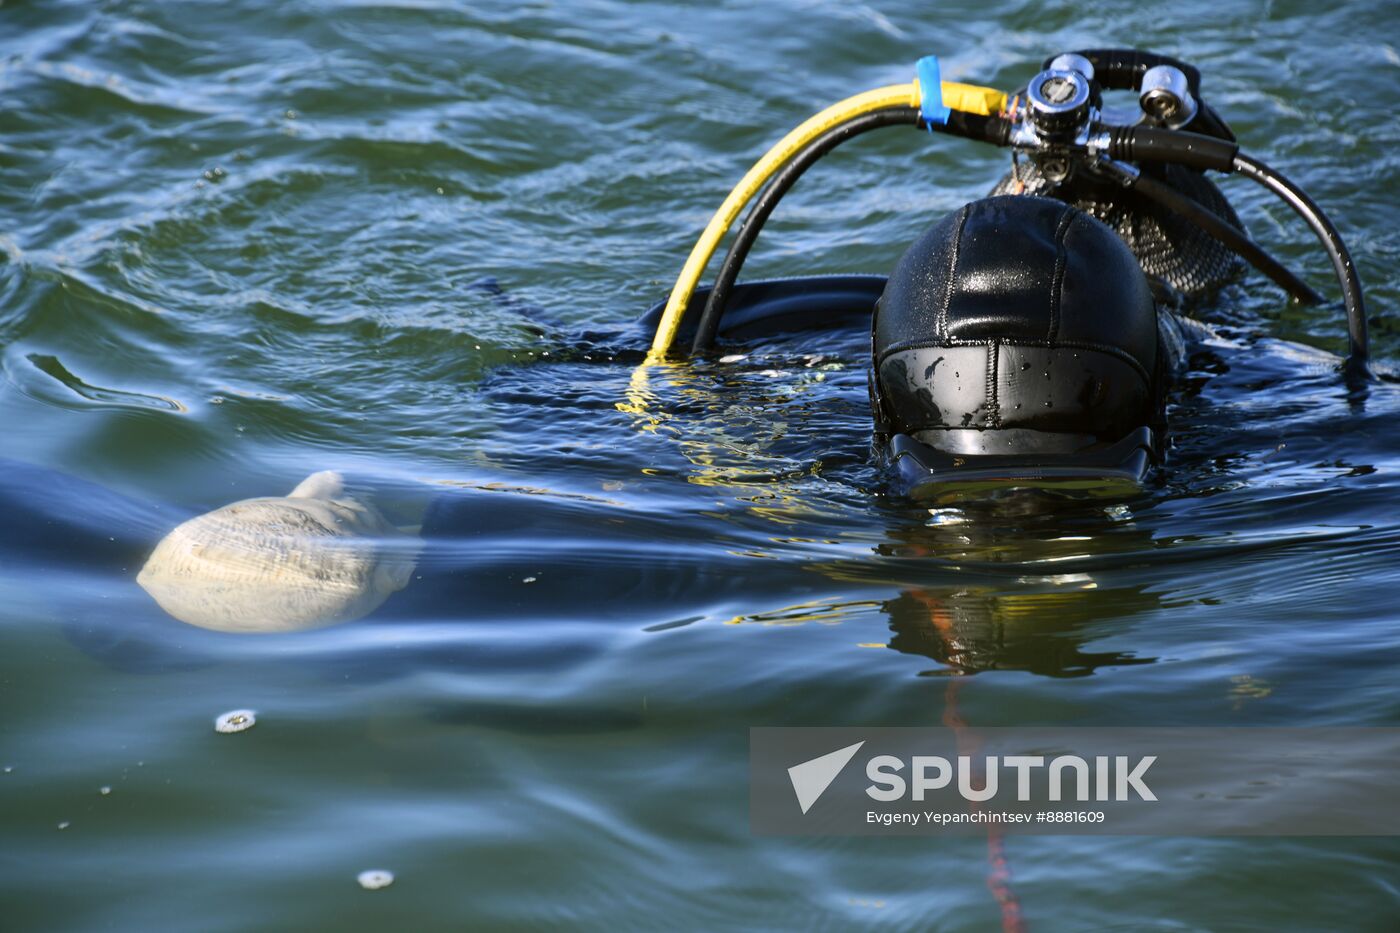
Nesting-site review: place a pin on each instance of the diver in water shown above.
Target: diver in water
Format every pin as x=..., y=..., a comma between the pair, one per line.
x=1019, y=338
x=1029, y=338
x=1053, y=304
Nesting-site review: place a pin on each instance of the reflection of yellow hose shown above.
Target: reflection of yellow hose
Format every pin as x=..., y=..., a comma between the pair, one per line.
x=965, y=97
x=896, y=95
x=638, y=394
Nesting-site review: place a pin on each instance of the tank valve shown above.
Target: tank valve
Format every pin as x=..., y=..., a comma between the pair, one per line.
x=1059, y=104
x=1069, y=61
x=1166, y=97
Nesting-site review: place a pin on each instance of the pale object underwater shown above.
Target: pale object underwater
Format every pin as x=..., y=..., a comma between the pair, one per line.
x=315, y=557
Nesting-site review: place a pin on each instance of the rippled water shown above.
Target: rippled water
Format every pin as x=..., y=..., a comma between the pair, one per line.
x=247, y=241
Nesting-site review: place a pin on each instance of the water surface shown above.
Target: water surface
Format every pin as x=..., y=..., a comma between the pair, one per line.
x=245, y=241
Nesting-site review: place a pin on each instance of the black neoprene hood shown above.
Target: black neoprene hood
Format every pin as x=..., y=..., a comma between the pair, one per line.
x=1017, y=314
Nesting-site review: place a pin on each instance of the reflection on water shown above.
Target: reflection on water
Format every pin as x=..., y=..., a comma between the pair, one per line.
x=1043, y=633
x=1041, y=621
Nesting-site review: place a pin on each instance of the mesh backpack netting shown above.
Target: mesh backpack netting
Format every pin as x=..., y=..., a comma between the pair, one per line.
x=1169, y=248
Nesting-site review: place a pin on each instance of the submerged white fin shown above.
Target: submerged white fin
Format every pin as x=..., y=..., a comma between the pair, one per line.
x=327, y=484
x=281, y=564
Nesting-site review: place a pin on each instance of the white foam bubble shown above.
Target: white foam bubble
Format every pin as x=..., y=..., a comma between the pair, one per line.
x=375, y=878
x=235, y=721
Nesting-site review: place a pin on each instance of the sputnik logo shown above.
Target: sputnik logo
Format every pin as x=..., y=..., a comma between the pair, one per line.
x=811, y=778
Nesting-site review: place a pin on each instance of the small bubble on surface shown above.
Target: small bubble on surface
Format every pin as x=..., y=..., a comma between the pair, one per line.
x=375, y=878
x=104, y=790
x=235, y=721
x=64, y=824
x=529, y=580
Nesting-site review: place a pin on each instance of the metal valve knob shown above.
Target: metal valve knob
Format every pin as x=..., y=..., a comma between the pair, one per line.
x=1166, y=96
x=1058, y=103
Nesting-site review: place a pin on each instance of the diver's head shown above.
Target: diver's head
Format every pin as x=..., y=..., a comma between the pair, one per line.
x=1017, y=340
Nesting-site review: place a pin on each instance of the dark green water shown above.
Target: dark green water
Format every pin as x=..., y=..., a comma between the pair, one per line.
x=240, y=240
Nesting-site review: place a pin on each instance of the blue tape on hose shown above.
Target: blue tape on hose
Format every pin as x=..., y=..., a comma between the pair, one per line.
x=931, y=92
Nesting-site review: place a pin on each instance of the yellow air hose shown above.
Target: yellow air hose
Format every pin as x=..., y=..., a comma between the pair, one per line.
x=895, y=95
x=964, y=97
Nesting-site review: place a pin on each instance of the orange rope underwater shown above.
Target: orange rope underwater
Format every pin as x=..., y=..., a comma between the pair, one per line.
x=999, y=869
